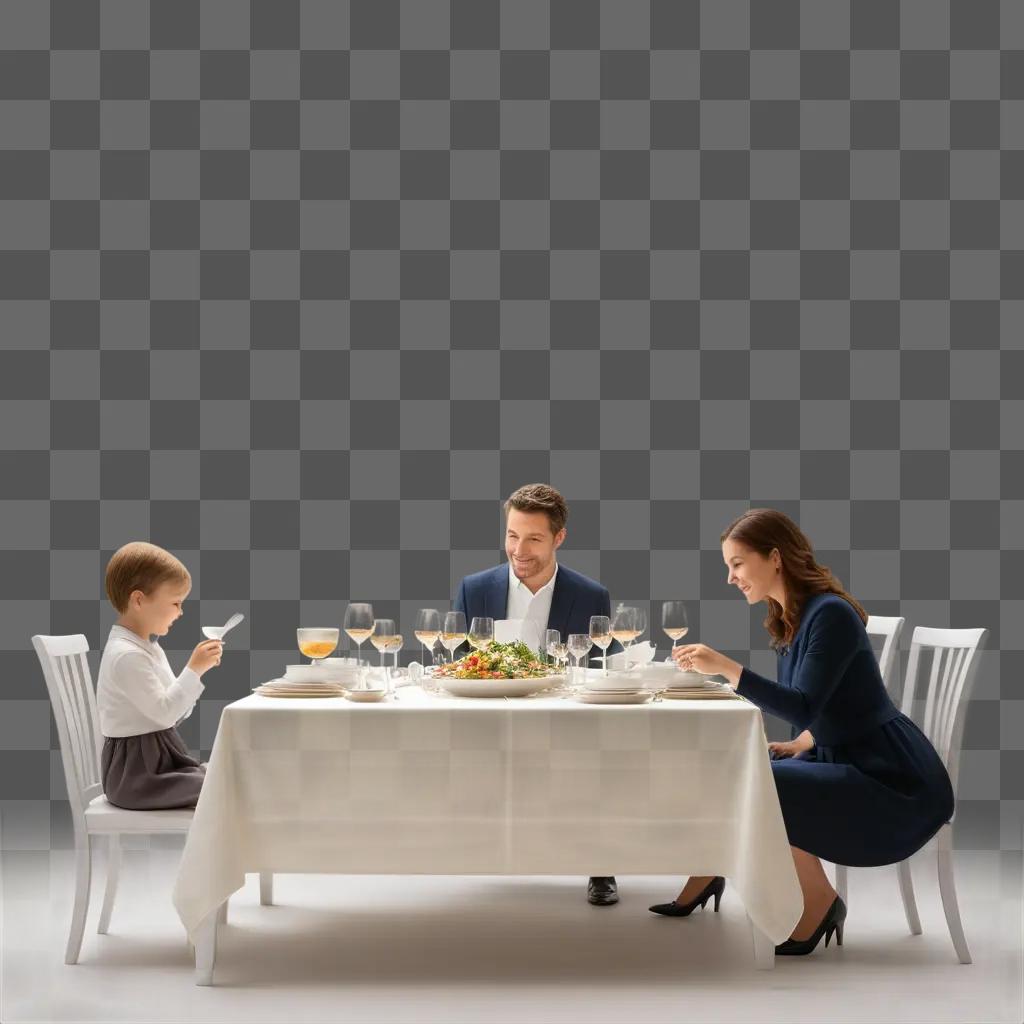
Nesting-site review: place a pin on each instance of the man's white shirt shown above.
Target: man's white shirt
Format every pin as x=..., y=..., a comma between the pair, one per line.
x=533, y=609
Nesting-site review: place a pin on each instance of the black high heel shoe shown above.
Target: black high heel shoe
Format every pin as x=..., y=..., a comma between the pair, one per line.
x=714, y=888
x=831, y=922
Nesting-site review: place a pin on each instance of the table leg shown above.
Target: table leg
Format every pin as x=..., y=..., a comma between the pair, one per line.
x=206, y=948
x=764, y=949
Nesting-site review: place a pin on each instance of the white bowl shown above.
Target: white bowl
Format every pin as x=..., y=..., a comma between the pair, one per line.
x=682, y=678
x=305, y=673
x=614, y=681
x=333, y=664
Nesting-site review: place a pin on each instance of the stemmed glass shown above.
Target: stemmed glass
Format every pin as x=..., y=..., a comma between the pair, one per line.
x=384, y=636
x=555, y=646
x=481, y=632
x=601, y=634
x=579, y=648
x=359, y=625
x=624, y=629
x=453, y=632
x=428, y=629
x=316, y=644
x=395, y=646
x=673, y=620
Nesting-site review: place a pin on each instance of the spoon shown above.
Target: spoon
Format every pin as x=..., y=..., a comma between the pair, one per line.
x=218, y=632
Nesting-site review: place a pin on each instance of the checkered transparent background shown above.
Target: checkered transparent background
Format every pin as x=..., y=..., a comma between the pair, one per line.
x=301, y=290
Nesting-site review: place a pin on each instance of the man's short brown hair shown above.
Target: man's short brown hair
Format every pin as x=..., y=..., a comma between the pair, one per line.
x=540, y=498
x=141, y=566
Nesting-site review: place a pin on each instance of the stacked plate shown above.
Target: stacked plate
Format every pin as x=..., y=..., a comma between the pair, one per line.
x=293, y=688
x=694, y=686
x=615, y=688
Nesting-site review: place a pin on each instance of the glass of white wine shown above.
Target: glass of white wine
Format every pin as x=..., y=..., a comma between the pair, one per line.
x=481, y=632
x=393, y=648
x=453, y=632
x=601, y=634
x=579, y=647
x=624, y=629
x=383, y=636
x=673, y=620
x=428, y=629
x=359, y=625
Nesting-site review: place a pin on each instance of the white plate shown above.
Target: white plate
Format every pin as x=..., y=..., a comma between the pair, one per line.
x=589, y=697
x=365, y=696
x=497, y=687
x=274, y=692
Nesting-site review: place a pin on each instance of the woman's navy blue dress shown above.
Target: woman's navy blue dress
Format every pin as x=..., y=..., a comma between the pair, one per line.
x=873, y=790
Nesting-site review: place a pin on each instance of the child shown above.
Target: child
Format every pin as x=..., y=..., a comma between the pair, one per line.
x=145, y=764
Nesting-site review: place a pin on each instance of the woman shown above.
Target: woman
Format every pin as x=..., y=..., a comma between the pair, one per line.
x=861, y=785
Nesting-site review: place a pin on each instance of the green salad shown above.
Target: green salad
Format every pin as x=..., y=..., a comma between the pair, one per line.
x=497, y=661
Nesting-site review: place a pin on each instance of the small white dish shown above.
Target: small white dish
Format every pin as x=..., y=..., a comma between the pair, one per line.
x=592, y=697
x=366, y=696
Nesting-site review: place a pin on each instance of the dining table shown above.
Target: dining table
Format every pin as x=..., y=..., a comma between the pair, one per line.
x=428, y=783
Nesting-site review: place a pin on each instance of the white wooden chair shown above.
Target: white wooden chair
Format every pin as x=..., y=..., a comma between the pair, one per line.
x=889, y=629
x=954, y=667
x=74, y=709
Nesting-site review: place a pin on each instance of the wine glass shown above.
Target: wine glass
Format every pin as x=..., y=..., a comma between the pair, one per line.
x=579, y=647
x=453, y=632
x=624, y=629
x=359, y=625
x=395, y=646
x=316, y=644
x=481, y=632
x=555, y=646
x=428, y=629
x=601, y=634
x=383, y=636
x=673, y=620
x=641, y=622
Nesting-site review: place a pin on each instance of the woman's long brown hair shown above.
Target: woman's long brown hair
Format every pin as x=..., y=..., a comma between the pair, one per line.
x=765, y=530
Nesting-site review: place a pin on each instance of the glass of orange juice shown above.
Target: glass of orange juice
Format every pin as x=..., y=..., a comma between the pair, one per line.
x=317, y=644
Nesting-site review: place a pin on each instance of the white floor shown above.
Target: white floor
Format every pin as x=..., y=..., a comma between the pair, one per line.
x=498, y=949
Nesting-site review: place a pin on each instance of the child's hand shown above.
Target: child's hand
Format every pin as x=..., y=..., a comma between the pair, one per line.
x=205, y=656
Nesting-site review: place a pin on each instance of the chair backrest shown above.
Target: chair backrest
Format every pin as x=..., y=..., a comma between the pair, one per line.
x=954, y=666
x=73, y=701
x=889, y=627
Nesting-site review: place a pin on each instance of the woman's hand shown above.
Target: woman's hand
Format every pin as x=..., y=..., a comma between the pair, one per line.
x=707, y=661
x=790, y=748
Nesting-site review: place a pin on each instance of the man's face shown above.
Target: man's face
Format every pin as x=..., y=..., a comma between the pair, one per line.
x=529, y=543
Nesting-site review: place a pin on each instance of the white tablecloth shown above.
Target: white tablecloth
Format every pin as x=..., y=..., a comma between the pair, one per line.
x=436, y=785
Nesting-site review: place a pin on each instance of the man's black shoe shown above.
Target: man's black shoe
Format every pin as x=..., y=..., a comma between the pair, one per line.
x=602, y=891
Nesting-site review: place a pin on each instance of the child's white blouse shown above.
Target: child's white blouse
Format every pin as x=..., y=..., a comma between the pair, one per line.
x=137, y=691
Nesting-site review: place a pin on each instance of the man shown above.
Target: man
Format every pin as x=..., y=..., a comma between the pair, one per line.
x=535, y=588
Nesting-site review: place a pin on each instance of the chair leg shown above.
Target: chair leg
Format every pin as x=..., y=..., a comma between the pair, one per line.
x=907, y=892
x=947, y=888
x=266, y=888
x=222, y=913
x=83, y=882
x=841, y=882
x=113, y=873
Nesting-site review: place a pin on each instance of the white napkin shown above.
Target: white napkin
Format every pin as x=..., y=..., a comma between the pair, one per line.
x=638, y=654
x=507, y=631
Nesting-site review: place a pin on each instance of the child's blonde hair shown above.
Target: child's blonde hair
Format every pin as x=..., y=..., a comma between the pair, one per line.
x=140, y=565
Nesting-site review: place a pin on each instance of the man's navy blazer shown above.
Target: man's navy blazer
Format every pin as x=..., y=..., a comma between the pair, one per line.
x=576, y=597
